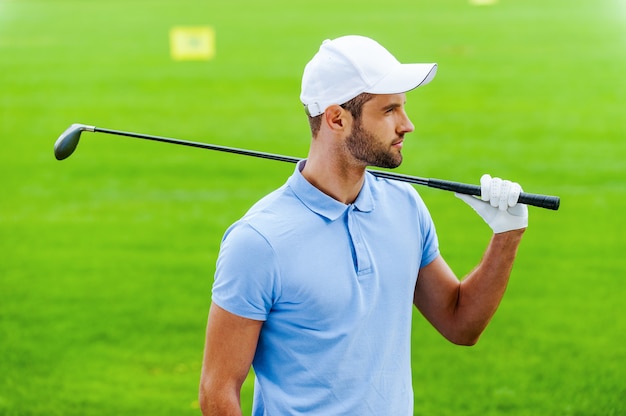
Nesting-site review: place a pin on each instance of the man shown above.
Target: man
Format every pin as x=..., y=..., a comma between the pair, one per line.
x=314, y=286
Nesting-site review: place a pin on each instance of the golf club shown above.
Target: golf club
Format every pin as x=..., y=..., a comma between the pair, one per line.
x=68, y=140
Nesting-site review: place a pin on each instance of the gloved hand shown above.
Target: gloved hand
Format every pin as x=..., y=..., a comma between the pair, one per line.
x=498, y=204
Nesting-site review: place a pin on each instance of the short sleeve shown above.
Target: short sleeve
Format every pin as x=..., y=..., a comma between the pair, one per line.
x=246, y=275
x=430, y=242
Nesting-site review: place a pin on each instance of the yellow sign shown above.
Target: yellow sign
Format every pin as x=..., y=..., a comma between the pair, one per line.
x=192, y=43
x=483, y=2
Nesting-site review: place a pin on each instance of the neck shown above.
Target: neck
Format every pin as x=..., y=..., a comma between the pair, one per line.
x=335, y=178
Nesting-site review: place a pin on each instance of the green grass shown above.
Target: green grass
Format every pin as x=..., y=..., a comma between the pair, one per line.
x=107, y=258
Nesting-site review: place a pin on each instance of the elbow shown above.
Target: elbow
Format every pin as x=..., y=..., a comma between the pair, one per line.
x=463, y=338
x=465, y=332
x=204, y=397
x=208, y=397
x=465, y=341
x=217, y=397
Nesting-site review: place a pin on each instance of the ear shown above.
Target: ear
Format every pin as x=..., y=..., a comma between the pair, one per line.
x=337, y=118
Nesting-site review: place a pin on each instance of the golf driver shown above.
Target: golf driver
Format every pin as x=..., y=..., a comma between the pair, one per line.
x=68, y=140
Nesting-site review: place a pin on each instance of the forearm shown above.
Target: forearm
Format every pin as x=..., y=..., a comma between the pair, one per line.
x=482, y=290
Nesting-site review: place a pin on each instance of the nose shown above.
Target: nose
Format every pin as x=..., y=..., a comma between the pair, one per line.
x=405, y=125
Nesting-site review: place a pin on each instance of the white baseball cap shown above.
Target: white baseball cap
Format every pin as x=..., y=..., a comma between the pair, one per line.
x=350, y=65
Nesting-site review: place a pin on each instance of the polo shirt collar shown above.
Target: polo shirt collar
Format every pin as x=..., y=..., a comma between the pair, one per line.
x=324, y=205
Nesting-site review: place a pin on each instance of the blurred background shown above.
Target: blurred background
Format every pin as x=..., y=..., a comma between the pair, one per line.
x=107, y=258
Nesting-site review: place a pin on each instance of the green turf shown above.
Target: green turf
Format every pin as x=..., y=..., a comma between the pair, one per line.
x=107, y=258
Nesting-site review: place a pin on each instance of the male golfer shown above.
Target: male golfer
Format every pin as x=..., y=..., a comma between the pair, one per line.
x=314, y=286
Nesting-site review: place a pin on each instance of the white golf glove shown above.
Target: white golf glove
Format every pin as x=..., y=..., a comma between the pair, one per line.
x=498, y=204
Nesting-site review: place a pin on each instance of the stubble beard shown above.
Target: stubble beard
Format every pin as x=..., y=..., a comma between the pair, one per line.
x=366, y=148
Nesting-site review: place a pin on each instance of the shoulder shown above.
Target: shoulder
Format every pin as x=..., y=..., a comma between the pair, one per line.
x=397, y=192
x=272, y=216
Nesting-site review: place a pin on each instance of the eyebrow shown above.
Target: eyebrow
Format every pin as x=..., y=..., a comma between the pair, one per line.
x=392, y=106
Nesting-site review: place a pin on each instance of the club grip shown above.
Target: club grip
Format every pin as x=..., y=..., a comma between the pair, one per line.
x=541, y=201
x=536, y=200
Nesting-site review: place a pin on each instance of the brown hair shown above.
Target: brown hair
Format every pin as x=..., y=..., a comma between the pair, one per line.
x=354, y=106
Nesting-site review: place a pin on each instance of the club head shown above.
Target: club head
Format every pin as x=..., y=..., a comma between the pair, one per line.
x=68, y=140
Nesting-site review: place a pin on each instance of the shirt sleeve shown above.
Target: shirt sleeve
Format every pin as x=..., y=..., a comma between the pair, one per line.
x=430, y=242
x=246, y=274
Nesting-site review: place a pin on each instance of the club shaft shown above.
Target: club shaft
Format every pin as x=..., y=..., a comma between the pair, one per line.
x=200, y=145
x=537, y=200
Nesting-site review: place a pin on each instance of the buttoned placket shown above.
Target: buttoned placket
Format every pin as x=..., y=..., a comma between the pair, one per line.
x=360, y=252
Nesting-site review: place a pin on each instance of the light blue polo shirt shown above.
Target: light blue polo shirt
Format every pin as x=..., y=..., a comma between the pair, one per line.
x=334, y=284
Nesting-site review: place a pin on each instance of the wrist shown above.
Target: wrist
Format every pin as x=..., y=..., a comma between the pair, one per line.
x=511, y=235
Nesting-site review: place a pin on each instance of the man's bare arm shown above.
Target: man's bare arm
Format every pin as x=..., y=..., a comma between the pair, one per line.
x=461, y=310
x=229, y=349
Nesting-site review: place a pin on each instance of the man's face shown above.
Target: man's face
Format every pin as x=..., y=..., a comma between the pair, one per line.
x=376, y=138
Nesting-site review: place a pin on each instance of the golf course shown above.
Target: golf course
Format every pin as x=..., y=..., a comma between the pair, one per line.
x=107, y=258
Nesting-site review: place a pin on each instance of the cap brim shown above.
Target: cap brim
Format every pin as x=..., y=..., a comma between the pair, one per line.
x=403, y=78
